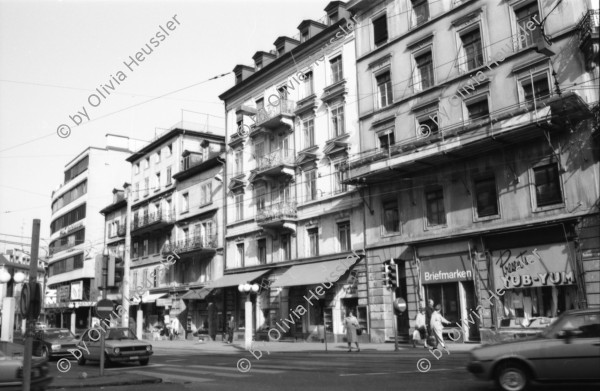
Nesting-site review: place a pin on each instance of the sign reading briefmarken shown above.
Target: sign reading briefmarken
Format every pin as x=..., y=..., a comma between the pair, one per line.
x=446, y=268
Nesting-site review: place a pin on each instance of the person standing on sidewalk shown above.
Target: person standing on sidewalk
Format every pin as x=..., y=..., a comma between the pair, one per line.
x=230, y=328
x=420, y=332
x=428, y=312
x=351, y=324
x=437, y=326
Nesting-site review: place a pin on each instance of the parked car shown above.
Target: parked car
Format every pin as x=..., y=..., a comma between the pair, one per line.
x=11, y=372
x=54, y=342
x=567, y=350
x=121, y=345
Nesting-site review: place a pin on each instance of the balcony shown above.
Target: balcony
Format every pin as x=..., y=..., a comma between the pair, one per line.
x=509, y=126
x=276, y=163
x=153, y=221
x=589, y=44
x=195, y=162
x=196, y=243
x=279, y=215
x=58, y=248
x=272, y=117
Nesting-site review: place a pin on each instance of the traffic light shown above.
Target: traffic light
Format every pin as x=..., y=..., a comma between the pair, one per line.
x=115, y=271
x=390, y=274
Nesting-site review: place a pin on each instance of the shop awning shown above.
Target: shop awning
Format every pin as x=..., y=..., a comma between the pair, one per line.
x=151, y=298
x=197, y=294
x=237, y=279
x=314, y=273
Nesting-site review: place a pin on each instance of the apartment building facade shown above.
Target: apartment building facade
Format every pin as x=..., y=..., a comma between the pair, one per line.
x=478, y=149
x=77, y=231
x=291, y=126
x=176, y=193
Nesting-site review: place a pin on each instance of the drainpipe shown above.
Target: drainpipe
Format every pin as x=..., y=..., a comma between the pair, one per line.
x=366, y=265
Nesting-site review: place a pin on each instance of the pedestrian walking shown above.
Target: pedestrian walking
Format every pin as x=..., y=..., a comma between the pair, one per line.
x=420, y=333
x=437, y=325
x=350, y=326
x=230, y=328
x=429, y=310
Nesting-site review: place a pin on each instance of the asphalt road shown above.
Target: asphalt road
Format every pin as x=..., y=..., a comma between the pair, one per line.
x=367, y=370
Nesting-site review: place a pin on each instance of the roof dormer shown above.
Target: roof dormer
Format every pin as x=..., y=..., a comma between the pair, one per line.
x=309, y=28
x=284, y=45
x=242, y=72
x=262, y=59
x=336, y=10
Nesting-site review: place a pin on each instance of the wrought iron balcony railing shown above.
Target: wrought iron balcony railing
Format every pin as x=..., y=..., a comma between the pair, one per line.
x=278, y=211
x=160, y=216
x=267, y=113
x=276, y=158
x=195, y=243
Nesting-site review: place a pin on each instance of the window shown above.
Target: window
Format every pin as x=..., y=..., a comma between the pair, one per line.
x=427, y=127
x=384, y=89
x=262, y=251
x=424, y=71
x=344, y=236
x=170, y=150
x=157, y=156
x=380, y=30
x=68, y=218
x=547, y=185
x=308, y=132
x=386, y=140
x=304, y=36
x=486, y=197
x=535, y=87
x=146, y=186
x=169, y=178
x=259, y=150
x=310, y=185
x=145, y=248
x=77, y=169
x=478, y=109
x=260, y=104
x=473, y=51
x=185, y=202
x=155, y=277
x=313, y=241
x=420, y=12
x=283, y=92
x=157, y=179
x=525, y=15
x=333, y=18
x=436, y=215
x=340, y=174
x=261, y=199
x=239, y=162
x=259, y=65
x=391, y=217
x=136, y=168
x=240, y=255
x=337, y=121
x=147, y=163
x=337, y=73
x=239, y=207
x=286, y=247
x=206, y=193
x=136, y=191
x=308, y=84
x=186, y=235
x=135, y=250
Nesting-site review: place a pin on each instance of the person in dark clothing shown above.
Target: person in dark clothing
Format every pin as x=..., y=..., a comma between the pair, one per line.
x=230, y=329
x=428, y=312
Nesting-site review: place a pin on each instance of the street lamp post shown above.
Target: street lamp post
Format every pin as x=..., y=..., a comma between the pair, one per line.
x=248, y=288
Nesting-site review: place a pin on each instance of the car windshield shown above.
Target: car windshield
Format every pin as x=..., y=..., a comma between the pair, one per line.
x=58, y=334
x=119, y=334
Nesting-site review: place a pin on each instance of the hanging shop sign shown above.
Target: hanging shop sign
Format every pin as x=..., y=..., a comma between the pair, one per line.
x=77, y=290
x=533, y=266
x=446, y=268
x=63, y=293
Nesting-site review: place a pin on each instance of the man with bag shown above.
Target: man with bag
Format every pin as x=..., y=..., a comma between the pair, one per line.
x=428, y=312
x=420, y=333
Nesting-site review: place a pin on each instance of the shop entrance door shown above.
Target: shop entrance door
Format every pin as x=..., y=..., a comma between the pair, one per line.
x=472, y=313
x=447, y=296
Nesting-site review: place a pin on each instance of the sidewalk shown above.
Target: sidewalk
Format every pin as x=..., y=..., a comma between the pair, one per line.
x=237, y=346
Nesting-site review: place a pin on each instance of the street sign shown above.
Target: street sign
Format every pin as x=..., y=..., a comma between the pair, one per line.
x=104, y=308
x=400, y=305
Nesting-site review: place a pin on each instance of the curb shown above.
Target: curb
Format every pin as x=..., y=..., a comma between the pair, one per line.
x=132, y=382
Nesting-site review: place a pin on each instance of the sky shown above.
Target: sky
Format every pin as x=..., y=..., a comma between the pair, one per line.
x=54, y=54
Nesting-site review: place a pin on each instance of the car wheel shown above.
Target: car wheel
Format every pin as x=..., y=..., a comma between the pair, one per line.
x=144, y=362
x=512, y=377
x=45, y=352
x=81, y=360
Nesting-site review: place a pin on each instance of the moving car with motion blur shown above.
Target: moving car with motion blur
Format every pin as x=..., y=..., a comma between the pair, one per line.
x=121, y=345
x=566, y=351
x=54, y=342
x=11, y=369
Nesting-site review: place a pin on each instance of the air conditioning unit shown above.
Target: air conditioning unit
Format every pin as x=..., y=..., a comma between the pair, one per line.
x=543, y=47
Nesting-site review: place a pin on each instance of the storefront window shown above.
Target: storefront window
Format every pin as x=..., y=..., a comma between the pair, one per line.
x=524, y=305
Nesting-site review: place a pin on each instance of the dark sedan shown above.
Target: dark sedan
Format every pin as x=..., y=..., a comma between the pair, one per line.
x=568, y=351
x=51, y=343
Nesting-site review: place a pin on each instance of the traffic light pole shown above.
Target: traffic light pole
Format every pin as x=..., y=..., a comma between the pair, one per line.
x=30, y=324
x=395, y=319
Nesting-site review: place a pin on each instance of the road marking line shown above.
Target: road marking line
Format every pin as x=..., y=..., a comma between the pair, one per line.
x=234, y=369
x=389, y=373
x=173, y=376
x=195, y=371
x=181, y=359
